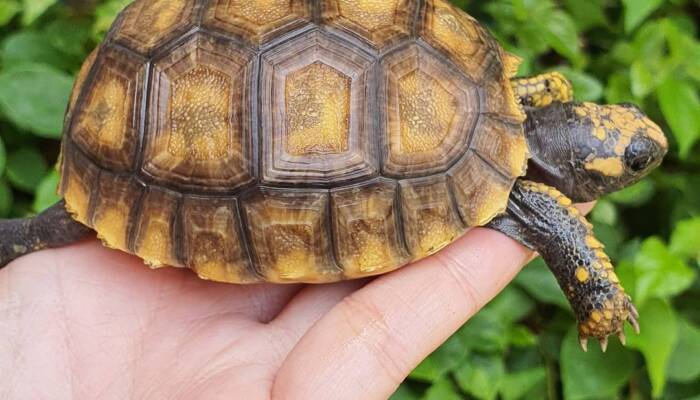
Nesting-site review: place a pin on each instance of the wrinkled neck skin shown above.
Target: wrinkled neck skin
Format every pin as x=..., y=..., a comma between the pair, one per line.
x=560, y=144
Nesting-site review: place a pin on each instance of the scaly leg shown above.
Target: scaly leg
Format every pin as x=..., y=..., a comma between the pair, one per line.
x=542, y=90
x=545, y=220
x=52, y=228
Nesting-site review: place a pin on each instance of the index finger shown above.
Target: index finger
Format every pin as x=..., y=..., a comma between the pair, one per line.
x=368, y=343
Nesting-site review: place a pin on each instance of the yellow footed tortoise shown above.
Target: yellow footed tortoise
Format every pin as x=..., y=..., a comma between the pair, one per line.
x=321, y=140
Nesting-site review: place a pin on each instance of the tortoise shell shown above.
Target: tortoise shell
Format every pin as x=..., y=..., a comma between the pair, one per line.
x=291, y=140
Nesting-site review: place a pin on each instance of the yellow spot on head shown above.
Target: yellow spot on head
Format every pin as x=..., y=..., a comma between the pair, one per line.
x=564, y=201
x=612, y=167
x=581, y=274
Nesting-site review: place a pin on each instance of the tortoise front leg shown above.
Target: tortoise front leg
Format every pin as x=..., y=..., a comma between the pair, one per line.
x=545, y=220
x=52, y=228
x=542, y=90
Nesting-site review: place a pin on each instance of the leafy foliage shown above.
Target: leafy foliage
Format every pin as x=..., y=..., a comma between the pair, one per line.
x=521, y=346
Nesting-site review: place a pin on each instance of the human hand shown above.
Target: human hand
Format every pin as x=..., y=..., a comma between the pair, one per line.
x=86, y=322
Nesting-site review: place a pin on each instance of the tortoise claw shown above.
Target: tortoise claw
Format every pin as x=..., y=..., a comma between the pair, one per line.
x=583, y=341
x=633, y=317
x=604, y=344
x=623, y=339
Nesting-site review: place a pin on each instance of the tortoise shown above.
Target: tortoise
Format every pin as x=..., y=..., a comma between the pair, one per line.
x=321, y=140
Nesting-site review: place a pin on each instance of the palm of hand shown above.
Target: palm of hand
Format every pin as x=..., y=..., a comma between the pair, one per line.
x=87, y=322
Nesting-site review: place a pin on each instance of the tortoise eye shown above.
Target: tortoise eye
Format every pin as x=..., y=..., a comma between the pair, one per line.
x=640, y=153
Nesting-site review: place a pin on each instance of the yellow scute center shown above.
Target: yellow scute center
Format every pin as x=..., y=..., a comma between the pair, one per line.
x=317, y=111
x=104, y=117
x=427, y=111
x=200, y=115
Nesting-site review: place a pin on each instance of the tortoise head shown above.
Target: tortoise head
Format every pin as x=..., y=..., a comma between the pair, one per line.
x=588, y=150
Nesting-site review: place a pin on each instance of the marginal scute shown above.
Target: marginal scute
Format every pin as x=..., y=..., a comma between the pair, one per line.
x=257, y=21
x=78, y=175
x=105, y=124
x=289, y=236
x=430, y=112
x=114, y=207
x=213, y=245
x=365, y=228
x=481, y=193
x=154, y=241
x=317, y=106
x=80, y=81
x=146, y=24
x=503, y=144
x=317, y=118
x=200, y=131
x=379, y=22
x=430, y=219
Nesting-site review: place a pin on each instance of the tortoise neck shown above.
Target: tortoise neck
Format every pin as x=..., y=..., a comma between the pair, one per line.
x=550, y=132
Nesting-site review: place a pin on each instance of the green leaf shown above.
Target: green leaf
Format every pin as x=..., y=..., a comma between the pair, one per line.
x=593, y=375
x=521, y=336
x=515, y=385
x=540, y=283
x=659, y=273
x=6, y=199
x=481, y=376
x=3, y=157
x=105, y=15
x=680, y=105
x=485, y=332
x=26, y=167
x=442, y=389
x=643, y=79
x=684, y=365
x=443, y=360
x=685, y=240
x=404, y=393
x=8, y=9
x=33, y=9
x=586, y=87
x=636, y=11
x=31, y=47
x=560, y=33
x=605, y=212
x=587, y=14
x=69, y=36
x=656, y=341
x=635, y=195
x=34, y=97
x=510, y=305
x=46, y=195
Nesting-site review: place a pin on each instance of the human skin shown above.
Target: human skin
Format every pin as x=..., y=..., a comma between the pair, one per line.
x=85, y=322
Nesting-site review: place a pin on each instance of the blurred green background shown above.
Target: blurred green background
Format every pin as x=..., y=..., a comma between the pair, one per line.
x=523, y=345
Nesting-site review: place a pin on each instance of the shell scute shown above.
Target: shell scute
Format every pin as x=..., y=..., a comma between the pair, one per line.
x=380, y=23
x=430, y=111
x=199, y=130
x=257, y=22
x=146, y=25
